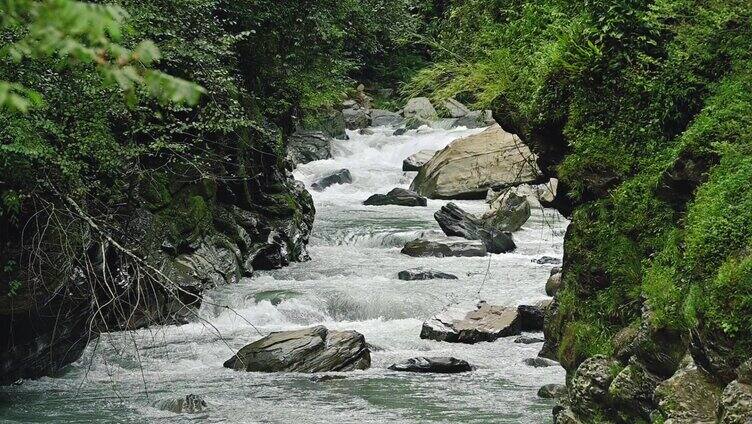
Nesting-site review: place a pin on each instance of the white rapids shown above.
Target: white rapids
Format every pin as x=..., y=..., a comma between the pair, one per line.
x=350, y=283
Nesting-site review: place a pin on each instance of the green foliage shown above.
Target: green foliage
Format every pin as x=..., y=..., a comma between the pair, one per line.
x=77, y=32
x=640, y=93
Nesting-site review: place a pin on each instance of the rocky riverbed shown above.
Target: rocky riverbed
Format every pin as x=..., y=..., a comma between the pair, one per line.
x=350, y=291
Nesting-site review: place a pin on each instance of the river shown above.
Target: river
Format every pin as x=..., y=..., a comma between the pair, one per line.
x=350, y=283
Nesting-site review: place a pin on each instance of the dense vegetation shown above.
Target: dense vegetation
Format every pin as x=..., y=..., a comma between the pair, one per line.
x=644, y=110
x=97, y=109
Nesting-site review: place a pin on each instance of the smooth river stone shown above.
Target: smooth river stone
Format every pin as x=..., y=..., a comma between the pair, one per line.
x=416, y=161
x=397, y=197
x=484, y=324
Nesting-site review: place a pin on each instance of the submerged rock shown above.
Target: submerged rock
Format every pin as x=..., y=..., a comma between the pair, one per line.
x=190, y=404
x=439, y=365
x=456, y=222
x=417, y=160
x=327, y=377
x=552, y=391
x=275, y=297
x=308, y=146
x=424, y=274
x=547, y=260
x=314, y=349
x=419, y=107
x=341, y=176
x=529, y=340
x=469, y=166
x=484, y=324
x=444, y=247
x=398, y=197
x=400, y=131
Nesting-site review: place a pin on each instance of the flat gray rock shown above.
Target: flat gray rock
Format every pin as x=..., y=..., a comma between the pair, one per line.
x=439, y=365
x=484, y=324
x=444, y=247
x=314, y=349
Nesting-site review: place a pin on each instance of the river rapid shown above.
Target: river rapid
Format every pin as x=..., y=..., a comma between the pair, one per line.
x=350, y=283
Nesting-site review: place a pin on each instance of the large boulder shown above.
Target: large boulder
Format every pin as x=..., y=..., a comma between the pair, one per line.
x=455, y=108
x=308, y=146
x=424, y=274
x=531, y=317
x=689, y=396
x=380, y=117
x=444, y=247
x=484, y=324
x=416, y=161
x=508, y=213
x=341, y=176
x=469, y=166
x=356, y=118
x=314, y=349
x=398, y=197
x=419, y=107
x=457, y=223
x=475, y=119
x=439, y=365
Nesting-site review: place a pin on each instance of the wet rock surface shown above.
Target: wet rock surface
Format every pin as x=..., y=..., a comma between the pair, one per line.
x=424, y=274
x=438, y=365
x=397, y=197
x=314, y=349
x=456, y=222
x=341, y=176
x=444, y=247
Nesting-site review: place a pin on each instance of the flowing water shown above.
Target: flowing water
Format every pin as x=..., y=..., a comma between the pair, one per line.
x=350, y=283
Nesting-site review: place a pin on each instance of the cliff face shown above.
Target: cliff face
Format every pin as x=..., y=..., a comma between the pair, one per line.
x=651, y=145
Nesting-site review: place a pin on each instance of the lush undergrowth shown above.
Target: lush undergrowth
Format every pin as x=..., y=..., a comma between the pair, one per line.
x=644, y=110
